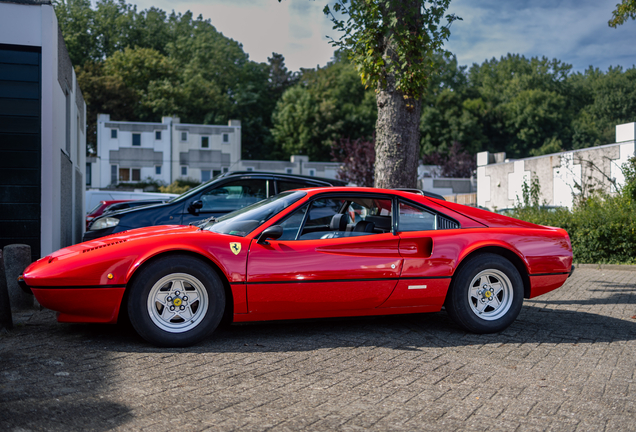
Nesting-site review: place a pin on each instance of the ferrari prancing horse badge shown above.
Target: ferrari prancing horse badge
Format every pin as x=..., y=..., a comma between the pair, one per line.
x=235, y=248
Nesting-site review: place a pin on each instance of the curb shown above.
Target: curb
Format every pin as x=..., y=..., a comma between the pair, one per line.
x=624, y=267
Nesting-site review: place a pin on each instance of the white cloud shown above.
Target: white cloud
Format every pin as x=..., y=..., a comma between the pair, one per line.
x=295, y=28
x=573, y=31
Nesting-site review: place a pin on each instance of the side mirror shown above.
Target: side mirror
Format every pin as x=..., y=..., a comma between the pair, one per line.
x=274, y=232
x=195, y=206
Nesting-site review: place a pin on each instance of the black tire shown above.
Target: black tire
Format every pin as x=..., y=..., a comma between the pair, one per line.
x=489, y=283
x=188, y=301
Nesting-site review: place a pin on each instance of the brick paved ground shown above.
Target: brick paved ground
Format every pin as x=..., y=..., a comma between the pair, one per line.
x=567, y=363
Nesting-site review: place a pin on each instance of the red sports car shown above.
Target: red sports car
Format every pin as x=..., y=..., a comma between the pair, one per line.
x=309, y=253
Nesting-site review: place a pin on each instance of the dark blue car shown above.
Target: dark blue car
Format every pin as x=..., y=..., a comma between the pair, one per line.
x=221, y=195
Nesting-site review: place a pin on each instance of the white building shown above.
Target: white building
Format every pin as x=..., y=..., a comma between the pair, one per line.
x=130, y=152
x=297, y=164
x=42, y=132
x=561, y=176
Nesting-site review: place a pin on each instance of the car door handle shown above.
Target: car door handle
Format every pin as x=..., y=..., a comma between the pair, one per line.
x=419, y=247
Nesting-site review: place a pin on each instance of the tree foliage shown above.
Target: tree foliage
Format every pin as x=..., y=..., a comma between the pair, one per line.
x=142, y=65
x=357, y=158
x=414, y=32
x=625, y=10
x=392, y=44
x=325, y=105
x=525, y=107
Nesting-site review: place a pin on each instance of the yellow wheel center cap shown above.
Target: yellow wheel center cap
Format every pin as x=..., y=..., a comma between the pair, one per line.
x=177, y=302
x=487, y=294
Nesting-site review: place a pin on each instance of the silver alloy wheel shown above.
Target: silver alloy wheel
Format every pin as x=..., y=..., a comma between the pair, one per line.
x=490, y=294
x=177, y=302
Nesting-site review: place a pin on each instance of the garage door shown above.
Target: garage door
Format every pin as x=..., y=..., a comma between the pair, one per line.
x=20, y=146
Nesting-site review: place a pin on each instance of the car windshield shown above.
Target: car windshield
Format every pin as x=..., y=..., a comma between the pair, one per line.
x=244, y=221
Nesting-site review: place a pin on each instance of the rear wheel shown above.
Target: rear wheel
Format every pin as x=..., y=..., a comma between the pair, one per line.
x=486, y=294
x=176, y=301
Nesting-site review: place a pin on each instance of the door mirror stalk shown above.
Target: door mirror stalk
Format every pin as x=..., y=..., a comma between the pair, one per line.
x=274, y=232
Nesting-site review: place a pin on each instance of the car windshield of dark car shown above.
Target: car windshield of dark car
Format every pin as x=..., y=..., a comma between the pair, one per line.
x=243, y=221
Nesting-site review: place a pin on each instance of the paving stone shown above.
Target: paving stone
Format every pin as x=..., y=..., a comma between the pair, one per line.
x=567, y=364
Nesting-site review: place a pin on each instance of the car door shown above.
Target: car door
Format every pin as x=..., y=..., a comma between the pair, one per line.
x=318, y=267
x=426, y=275
x=219, y=200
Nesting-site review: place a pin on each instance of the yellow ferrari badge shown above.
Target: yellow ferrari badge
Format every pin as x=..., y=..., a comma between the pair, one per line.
x=235, y=248
x=177, y=302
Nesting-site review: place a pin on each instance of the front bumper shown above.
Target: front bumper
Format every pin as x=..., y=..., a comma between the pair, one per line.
x=82, y=305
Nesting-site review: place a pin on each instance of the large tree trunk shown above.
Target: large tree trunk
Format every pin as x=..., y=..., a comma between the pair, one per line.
x=397, y=145
x=397, y=131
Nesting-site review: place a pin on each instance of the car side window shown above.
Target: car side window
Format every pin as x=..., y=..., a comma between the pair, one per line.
x=336, y=217
x=234, y=195
x=292, y=223
x=413, y=218
x=285, y=185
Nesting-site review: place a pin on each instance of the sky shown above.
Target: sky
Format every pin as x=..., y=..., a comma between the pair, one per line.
x=573, y=31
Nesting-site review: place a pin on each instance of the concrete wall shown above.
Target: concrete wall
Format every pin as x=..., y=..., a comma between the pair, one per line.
x=562, y=176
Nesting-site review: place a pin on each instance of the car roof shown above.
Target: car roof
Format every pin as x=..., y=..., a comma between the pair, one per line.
x=334, y=182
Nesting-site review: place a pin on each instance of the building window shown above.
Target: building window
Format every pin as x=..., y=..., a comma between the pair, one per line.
x=113, y=174
x=289, y=170
x=113, y=133
x=89, y=174
x=216, y=173
x=312, y=172
x=184, y=136
x=249, y=168
x=184, y=171
x=226, y=138
x=136, y=174
x=136, y=139
x=124, y=174
x=158, y=169
x=205, y=175
x=205, y=142
x=158, y=135
x=225, y=169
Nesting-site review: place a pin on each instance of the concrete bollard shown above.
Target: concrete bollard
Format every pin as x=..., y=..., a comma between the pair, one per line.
x=6, y=320
x=17, y=257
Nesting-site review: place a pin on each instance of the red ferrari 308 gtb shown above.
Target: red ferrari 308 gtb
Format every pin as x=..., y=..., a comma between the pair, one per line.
x=309, y=253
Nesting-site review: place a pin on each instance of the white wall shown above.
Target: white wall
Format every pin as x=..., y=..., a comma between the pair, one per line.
x=561, y=176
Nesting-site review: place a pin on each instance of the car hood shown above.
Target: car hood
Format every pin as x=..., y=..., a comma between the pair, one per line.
x=123, y=212
x=122, y=237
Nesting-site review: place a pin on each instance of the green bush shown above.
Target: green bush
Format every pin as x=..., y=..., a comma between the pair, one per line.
x=179, y=186
x=602, y=228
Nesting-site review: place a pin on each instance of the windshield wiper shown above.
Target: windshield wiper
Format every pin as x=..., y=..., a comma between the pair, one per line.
x=203, y=222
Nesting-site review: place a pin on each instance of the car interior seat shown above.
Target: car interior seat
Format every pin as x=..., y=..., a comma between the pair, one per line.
x=364, y=226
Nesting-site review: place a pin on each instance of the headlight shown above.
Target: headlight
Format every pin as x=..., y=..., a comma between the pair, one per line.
x=105, y=222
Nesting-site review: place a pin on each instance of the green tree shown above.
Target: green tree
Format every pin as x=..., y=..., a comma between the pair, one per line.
x=326, y=104
x=607, y=99
x=391, y=43
x=624, y=10
x=139, y=66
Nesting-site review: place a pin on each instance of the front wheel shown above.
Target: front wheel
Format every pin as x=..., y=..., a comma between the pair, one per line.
x=486, y=294
x=176, y=301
